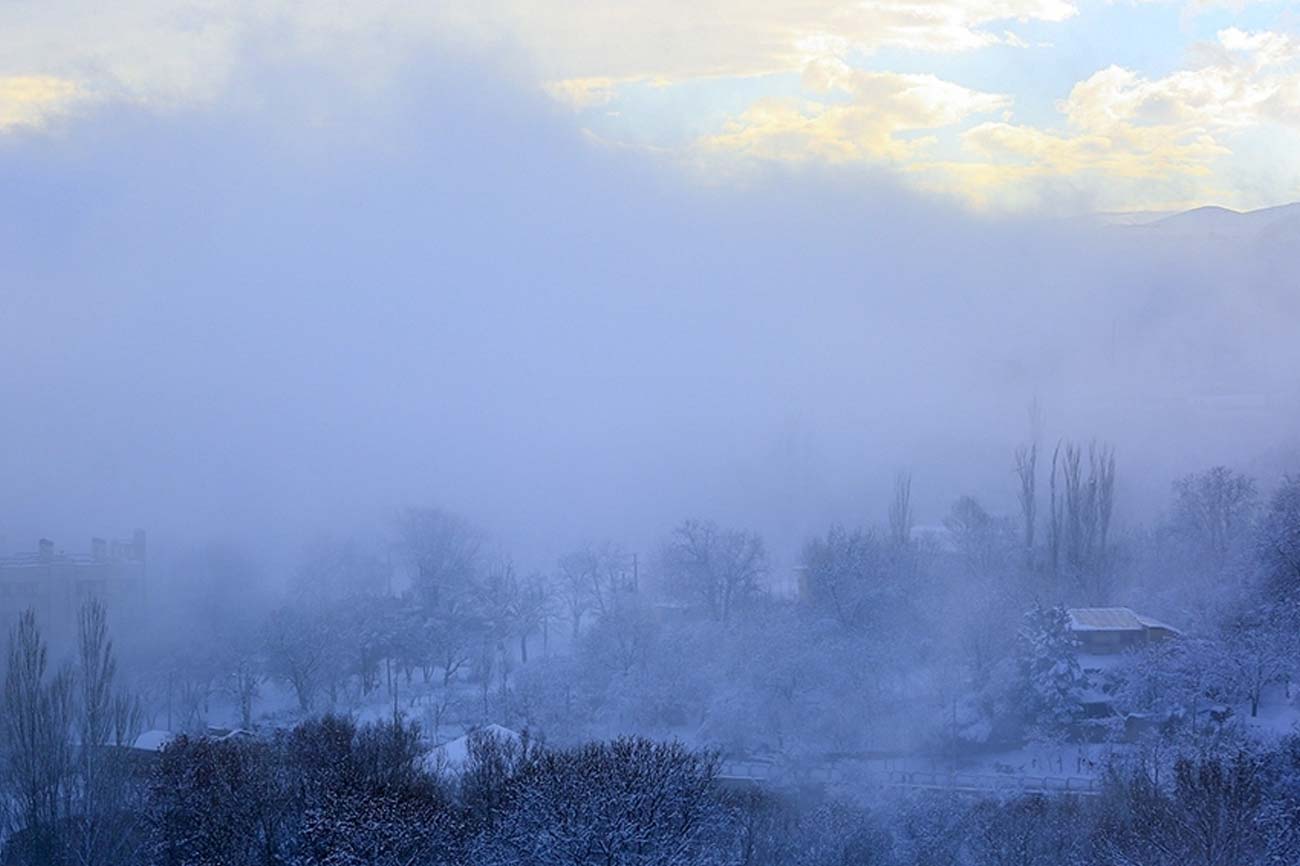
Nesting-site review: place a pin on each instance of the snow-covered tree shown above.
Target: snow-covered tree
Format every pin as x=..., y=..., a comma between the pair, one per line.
x=1279, y=540
x=630, y=802
x=1212, y=513
x=851, y=575
x=1051, y=681
x=1259, y=648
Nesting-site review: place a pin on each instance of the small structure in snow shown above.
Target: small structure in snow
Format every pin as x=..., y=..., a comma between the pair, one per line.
x=153, y=741
x=222, y=734
x=1105, y=630
x=453, y=755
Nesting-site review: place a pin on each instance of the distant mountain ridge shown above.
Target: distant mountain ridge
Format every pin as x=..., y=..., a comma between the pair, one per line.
x=1213, y=218
x=1210, y=221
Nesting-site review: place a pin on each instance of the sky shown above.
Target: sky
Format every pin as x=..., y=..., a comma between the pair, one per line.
x=568, y=270
x=1060, y=105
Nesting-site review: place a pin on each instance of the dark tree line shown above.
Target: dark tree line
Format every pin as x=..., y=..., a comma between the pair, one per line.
x=333, y=792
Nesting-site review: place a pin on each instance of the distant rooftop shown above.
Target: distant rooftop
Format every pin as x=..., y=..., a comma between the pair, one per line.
x=101, y=550
x=1104, y=619
x=1112, y=619
x=36, y=560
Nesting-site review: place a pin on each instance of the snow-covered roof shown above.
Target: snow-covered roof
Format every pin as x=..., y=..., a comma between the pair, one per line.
x=1148, y=622
x=1104, y=619
x=223, y=734
x=454, y=754
x=152, y=741
x=1113, y=619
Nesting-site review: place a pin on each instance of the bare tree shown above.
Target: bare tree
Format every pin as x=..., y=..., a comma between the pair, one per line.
x=443, y=551
x=244, y=684
x=900, y=511
x=95, y=670
x=592, y=579
x=453, y=638
x=1259, y=649
x=532, y=610
x=720, y=568
x=496, y=598
x=1212, y=511
x=848, y=574
x=1054, y=516
x=984, y=541
x=105, y=821
x=38, y=758
x=128, y=718
x=574, y=588
x=1081, y=511
x=1027, y=496
x=1279, y=539
x=69, y=794
x=296, y=653
x=1101, y=461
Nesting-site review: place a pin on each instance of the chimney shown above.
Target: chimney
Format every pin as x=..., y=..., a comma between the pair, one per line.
x=46, y=548
x=99, y=549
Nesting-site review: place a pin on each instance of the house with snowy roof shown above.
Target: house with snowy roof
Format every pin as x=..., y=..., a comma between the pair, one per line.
x=453, y=756
x=1110, y=630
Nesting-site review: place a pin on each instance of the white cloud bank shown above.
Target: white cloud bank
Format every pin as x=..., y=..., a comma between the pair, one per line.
x=1124, y=138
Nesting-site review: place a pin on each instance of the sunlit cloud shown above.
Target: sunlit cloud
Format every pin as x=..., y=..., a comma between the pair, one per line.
x=31, y=100
x=582, y=93
x=1119, y=124
x=161, y=50
x=676, y=40
x=867, y=121
x=913, y=84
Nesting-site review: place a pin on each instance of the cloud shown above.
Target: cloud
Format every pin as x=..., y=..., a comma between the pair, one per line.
x=30, y=100
x=861, y=115
x=1120, y=125
x=1198, y=7
x=583, y=93
x=679, y=41
x=163, y=53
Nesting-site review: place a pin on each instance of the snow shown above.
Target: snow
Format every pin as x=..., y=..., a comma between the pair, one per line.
x=1149, y=622
x=1278, y=715
x=452, y=756
x=1102, y=663
x=152, y=741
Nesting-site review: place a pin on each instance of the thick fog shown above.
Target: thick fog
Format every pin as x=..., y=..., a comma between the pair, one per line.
x=393, y=471
x=311, y=308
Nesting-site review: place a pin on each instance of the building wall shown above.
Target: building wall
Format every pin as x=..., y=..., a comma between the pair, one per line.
x=1101, y=642
x=57, y=584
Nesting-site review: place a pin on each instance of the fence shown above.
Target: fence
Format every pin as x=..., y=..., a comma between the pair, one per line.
x=741, y=772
